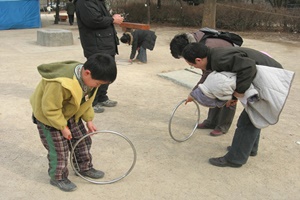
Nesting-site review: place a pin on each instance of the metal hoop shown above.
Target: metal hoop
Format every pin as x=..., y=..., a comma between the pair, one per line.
x=172, y=115
x=110, y=181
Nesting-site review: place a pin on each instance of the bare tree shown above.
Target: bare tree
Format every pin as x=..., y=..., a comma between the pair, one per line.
x=209, y=14
x=148, y=13
x=278, y=3
x=158, y=4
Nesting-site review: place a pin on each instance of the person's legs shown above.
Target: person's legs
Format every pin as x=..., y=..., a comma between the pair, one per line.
x=97, y=107
x=101, y=94
x=245, y=140
x=58, y=150
x=82, y=151
x=71, y=19
x=225, y=117
x=255, y=146
x=212, y=119
x=101, y=98
x=142, y=55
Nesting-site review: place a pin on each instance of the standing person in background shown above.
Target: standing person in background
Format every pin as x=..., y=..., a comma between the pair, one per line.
x=70, y=11
x=140, y=41
x=98, y=35
x=218, y=119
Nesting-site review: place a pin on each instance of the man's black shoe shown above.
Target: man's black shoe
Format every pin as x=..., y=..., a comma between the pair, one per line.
x=251, y=154
x=222, y=162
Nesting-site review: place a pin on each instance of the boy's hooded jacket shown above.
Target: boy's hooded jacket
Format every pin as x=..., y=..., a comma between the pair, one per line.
x=58, y=96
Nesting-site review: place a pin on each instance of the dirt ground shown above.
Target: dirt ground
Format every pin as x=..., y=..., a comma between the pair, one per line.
x=164, y=168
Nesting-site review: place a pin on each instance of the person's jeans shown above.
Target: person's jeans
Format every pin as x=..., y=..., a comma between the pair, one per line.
x=142, y=55
x=245, y=140
x=101, y=94
x=220, y=118
x=71, y=19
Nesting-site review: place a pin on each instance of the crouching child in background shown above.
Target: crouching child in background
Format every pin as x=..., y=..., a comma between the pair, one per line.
x=140, y=41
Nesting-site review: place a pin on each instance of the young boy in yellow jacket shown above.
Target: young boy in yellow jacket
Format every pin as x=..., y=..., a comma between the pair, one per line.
x=60, y=102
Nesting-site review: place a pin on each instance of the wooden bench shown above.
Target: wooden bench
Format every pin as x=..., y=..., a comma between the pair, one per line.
x=62, y=18
x=128, y=26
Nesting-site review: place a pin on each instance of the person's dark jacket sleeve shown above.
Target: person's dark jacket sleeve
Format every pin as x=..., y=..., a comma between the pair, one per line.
x=135, y=44
x=205, y=73
x=93, y=15
x=244, y=67
x=96, y=28
x=241, y=61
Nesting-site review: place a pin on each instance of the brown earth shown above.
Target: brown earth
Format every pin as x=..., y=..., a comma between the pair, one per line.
x=164, y=169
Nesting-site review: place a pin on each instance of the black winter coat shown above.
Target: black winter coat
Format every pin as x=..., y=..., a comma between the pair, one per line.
x=96, y=28
x=241, y=61
x=142, y=38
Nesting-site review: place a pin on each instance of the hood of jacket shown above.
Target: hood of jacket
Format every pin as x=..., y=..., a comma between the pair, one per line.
x=58, y=69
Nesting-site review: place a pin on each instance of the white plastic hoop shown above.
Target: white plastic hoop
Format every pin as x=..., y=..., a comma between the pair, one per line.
x=172, y=115
x=109, y=181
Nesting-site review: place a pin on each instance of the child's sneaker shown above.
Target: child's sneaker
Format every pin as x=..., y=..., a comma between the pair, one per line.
x=93, y=173
x=65, y=185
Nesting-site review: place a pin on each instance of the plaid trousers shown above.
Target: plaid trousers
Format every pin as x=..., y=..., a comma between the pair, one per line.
x=58, y=148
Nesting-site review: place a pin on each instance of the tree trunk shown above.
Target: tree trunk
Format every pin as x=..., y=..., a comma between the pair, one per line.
x=209, y=14
x=158, y=4
x=148, y=13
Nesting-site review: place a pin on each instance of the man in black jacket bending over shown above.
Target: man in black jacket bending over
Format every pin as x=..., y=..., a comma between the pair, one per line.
x=218, y=119
x=241, y=61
